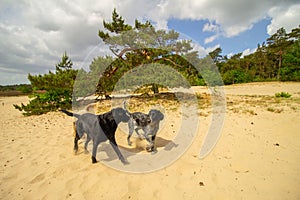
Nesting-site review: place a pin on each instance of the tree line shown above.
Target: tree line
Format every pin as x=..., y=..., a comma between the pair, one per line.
x=276, y=59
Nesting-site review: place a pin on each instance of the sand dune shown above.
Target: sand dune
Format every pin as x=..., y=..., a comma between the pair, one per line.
x=257, y=156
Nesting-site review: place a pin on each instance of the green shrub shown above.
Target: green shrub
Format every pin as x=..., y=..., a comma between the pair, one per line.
x=283, y=94
x=46, y=102
x=236, y=76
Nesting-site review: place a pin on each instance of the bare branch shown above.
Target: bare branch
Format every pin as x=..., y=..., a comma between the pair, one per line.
x=167, y=59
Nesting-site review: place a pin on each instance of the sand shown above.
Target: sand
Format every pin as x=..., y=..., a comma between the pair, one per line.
x=256, y=157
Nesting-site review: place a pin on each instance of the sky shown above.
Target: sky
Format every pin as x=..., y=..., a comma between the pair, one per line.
x=34, y=34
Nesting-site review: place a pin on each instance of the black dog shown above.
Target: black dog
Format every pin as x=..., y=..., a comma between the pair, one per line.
x=149, y=123
x=99, y=128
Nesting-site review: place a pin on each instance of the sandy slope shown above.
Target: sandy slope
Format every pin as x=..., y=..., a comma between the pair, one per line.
x=257, y=156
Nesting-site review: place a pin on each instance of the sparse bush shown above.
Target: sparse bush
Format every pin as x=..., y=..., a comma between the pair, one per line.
x=278, y=110
x=46, y=102
x=283, y=94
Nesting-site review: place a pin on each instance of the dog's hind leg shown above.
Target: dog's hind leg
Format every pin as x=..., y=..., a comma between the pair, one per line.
x=76, y=138
x=88, y=139
x=94, y=152
x=78, y=133
x=76, y=144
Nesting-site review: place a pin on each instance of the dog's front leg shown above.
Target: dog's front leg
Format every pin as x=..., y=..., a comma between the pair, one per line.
x=131, y=129
x=148, y=138
x=150, y=147
x=137, y=132
x=118, y=152
x=153, y=148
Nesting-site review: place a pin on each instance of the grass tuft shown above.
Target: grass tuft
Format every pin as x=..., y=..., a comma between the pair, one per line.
x=283, y=94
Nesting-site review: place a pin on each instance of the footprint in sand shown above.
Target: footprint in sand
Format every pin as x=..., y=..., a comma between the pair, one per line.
x=38, y=178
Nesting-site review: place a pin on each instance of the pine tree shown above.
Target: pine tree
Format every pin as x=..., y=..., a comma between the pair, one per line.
x=64, y=64
x=140, y=45
x=58, y=88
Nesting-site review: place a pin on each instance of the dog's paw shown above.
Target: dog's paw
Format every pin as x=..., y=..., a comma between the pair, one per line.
x=149, y=148
x=154, y=151
x=129, y=143
x=125, y=162
x=94, y=160
x=75, y=151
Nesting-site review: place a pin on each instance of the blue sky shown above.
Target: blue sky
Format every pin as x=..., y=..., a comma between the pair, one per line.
x=229, y=45
x=34, y=34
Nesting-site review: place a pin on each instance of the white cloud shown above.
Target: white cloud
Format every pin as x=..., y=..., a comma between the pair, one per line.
x=201, y=51
x=211, y=27
x=232, y=17
x=34, y=34
x=284, y=17
x=210, y=49
x=248, y=52
x=211, y=39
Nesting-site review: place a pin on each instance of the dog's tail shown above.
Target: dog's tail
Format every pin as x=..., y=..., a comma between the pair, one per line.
x=69, y=113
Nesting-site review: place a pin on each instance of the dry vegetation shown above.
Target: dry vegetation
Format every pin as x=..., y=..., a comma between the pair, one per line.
x=246, y=104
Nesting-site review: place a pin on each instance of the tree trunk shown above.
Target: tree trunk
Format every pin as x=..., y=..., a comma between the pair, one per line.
x=279, y=64
x=155, y=88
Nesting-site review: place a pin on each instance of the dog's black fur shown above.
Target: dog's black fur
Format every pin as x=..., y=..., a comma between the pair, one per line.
x=99, y=128
x=149, y=123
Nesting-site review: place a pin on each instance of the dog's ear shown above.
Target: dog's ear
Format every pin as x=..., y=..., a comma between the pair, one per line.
x=156, y=115
x=161, y=116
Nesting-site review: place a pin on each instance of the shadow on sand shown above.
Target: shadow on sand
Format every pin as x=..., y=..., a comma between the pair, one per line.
x=160, y=143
